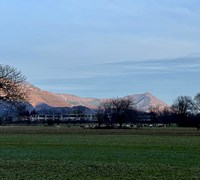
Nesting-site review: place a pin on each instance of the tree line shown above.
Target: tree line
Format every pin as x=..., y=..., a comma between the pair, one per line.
x=185, y=111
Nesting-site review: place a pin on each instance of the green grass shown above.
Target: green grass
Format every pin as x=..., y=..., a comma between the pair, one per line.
x=49, y=153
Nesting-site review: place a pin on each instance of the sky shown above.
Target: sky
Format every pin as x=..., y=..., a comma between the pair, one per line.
x=105, y=48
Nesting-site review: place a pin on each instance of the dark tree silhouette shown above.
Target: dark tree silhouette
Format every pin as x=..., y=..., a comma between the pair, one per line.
x=197, y=109
x=197, y=103
x=116, y=110
x=155, y=112
x=104, y=113
x=183, y=107
x=121, y=108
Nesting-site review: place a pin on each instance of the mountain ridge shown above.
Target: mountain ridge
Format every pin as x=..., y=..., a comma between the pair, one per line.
x=37, y=97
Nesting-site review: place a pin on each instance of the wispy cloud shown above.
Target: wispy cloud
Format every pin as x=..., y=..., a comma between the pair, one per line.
x=58, y=45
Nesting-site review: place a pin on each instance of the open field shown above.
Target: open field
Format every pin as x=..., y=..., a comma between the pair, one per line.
x=74, y=153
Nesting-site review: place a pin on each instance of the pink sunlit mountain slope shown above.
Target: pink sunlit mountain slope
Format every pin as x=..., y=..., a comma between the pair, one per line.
x=38, y=97
x=144, y=101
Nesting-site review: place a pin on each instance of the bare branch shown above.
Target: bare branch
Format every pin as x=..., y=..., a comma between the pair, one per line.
x=12, y=88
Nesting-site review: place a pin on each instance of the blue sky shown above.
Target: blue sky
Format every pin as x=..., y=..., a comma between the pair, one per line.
x=104, y=48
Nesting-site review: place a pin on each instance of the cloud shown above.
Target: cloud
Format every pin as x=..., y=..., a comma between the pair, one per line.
x=102, y=72
x=166, y=78
x=63, y=43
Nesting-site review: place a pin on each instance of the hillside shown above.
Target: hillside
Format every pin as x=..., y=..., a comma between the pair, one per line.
x=144, y=101
x=39, y=99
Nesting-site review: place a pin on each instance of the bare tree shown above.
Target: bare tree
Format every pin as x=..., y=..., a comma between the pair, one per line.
x=183, y=105
x=183, y=108
x=197, y=109
x=155, y=112
x=197, y=103
x=104, y=112
x=121, y=108
x=11, y=84
x=115, y=110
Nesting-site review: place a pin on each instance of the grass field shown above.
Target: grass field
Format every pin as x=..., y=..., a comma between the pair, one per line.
x=74, y=153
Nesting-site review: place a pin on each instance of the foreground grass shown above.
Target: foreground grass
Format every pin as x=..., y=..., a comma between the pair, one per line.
x=89, y=154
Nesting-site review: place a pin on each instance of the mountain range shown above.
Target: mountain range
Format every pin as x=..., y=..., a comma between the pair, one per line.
x=41, y=99
x=45, y=102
